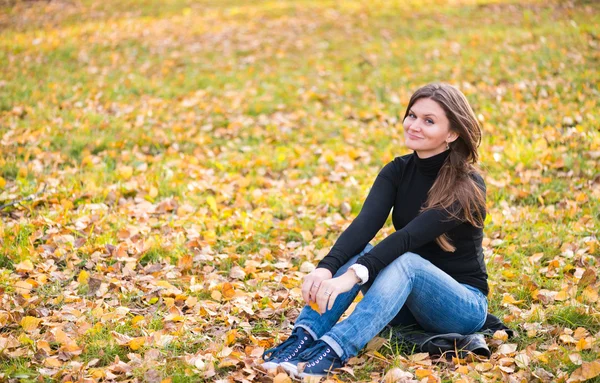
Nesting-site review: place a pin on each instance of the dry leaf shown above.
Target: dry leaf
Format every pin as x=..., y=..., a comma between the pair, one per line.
x=30, y=323
x=282, y=378
x=588, y=370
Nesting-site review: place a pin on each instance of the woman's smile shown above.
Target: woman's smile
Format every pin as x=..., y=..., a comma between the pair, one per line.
x=412, y=136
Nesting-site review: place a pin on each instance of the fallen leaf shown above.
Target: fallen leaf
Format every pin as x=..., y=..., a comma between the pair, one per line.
x=30, y=323
x=588, y=370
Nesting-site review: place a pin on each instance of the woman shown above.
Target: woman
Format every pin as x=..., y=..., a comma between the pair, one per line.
x=430, y=272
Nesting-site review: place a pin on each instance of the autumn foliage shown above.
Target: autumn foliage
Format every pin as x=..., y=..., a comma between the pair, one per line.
x=169, y=171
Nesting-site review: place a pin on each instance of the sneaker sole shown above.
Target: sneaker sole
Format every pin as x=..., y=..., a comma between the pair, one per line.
x=290, y=368
x=305, y=375
x=269, y=365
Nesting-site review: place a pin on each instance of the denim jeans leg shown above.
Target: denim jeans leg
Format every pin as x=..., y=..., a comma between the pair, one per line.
x=317, y=324
x=438, y=302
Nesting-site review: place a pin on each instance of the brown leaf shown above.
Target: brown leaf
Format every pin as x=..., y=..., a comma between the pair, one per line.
x=588, y=370
x=588, y=277
x=282, y=378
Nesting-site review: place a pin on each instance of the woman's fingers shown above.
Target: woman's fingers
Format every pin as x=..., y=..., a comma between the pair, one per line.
x=314, y=290
x=308, y=283
x=332, y=299
x=309, y=289
x=323, y=297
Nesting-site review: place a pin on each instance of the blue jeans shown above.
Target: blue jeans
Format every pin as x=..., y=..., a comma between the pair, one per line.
x=410, y=290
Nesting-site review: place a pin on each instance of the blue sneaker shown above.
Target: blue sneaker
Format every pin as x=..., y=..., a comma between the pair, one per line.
x=286, y=354
x=318, y=360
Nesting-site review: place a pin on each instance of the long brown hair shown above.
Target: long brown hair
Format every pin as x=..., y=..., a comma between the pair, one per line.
x=454, y=188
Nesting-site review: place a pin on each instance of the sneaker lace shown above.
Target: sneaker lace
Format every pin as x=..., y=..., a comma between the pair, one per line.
x=273, y=352
x=318, y=349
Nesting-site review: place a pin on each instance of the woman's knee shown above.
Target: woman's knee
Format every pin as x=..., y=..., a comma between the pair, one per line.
x=409, y=259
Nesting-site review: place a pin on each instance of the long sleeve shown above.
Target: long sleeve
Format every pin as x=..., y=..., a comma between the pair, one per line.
x=422, y=229
x=369, y=221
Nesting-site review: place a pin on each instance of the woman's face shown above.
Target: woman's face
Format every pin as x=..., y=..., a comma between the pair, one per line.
x=427, y=129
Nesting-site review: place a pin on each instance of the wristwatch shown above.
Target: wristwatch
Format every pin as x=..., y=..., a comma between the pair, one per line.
x=361, y=272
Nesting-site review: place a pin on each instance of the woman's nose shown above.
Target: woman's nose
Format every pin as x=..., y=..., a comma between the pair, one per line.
x=415, y=125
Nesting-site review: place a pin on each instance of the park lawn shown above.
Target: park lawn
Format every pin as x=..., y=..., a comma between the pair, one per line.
x=169, y=170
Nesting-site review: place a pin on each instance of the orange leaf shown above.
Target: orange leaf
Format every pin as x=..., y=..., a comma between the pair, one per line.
x=585, y=372
x=314, y=306
x=228, y=290
x=421, y=373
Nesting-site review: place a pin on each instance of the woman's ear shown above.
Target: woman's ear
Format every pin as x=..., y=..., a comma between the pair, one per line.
x=452, y=136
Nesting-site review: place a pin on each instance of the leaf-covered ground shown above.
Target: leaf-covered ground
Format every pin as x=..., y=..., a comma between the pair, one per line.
x=169, y=170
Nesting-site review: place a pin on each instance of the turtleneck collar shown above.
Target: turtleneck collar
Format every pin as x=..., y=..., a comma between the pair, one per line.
x=431, y=166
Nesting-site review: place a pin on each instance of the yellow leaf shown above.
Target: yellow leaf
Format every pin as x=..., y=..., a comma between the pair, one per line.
x=136, y=319
x=136, y=343
x=212, y=203
x=590, y=294
x=501, y=334
x=485, y=366
x=125, y=172
x=462, y=369
x=174, y=318
x=421, y=373
x=2, y=183
x=582, y=344
x=164, y=284
x=83, y=277
x=561, y=296
x=507, y=298
x=52, y=362
x=230, y=338
x=30, y=323
x=216, y=295
x=97, y=373
x=585, y=372
x=24, y=339
x=24, y=267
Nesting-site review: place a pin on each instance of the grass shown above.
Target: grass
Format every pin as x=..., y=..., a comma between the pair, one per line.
x=574, y=317
x=131, y=112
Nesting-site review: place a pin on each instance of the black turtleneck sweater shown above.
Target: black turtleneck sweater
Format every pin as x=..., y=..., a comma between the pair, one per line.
x=403, y=184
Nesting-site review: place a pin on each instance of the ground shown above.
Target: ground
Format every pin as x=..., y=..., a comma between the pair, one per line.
x=169, y=171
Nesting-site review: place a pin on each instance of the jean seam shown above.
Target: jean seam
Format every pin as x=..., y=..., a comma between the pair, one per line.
x=482, y=305
x=333, y=337
x=308, y=330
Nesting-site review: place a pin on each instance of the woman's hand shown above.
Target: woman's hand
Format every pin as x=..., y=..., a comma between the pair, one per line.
x=331, y=288
x=312, y=282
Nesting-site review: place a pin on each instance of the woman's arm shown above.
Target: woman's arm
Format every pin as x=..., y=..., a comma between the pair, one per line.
x=365, y=226
x=423, y=229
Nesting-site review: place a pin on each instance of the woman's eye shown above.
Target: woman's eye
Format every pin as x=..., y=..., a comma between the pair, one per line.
x=430, y=121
